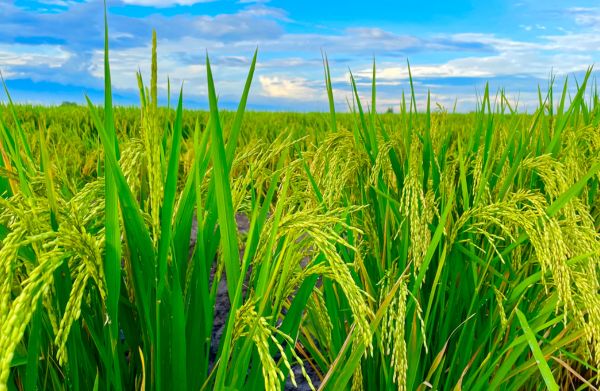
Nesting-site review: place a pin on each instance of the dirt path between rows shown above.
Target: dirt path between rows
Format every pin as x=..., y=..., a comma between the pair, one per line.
x=222, y=308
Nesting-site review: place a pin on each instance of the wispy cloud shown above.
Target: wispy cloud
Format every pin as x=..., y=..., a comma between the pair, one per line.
x=586, y=16
x=164, y=3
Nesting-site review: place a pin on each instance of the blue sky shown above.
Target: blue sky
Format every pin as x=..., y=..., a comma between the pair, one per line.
x=51, y=50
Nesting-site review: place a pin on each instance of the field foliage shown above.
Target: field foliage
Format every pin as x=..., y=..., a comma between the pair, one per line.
x=424, y=250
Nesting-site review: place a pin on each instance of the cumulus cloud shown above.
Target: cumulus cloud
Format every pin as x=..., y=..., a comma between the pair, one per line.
x=288, y=88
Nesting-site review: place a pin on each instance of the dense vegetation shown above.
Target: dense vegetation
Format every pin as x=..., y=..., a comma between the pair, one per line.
x=393, y=251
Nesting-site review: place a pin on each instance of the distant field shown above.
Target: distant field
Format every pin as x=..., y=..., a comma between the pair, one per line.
x=381, y=251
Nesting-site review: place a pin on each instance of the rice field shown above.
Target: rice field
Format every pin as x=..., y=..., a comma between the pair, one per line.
x=160, y=248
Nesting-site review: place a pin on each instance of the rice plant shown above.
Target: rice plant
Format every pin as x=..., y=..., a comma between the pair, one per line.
x=419, y=250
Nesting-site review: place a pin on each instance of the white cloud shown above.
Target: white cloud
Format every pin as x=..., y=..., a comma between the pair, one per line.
x=165, y=3
x=301, y=80
x=288, y=88
x=289, y=63
x=512, y=59
x=573, y=42
x=589, y=17
x=18, y=55
x=126, y=62
x=176, y=63
x=60, y=3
